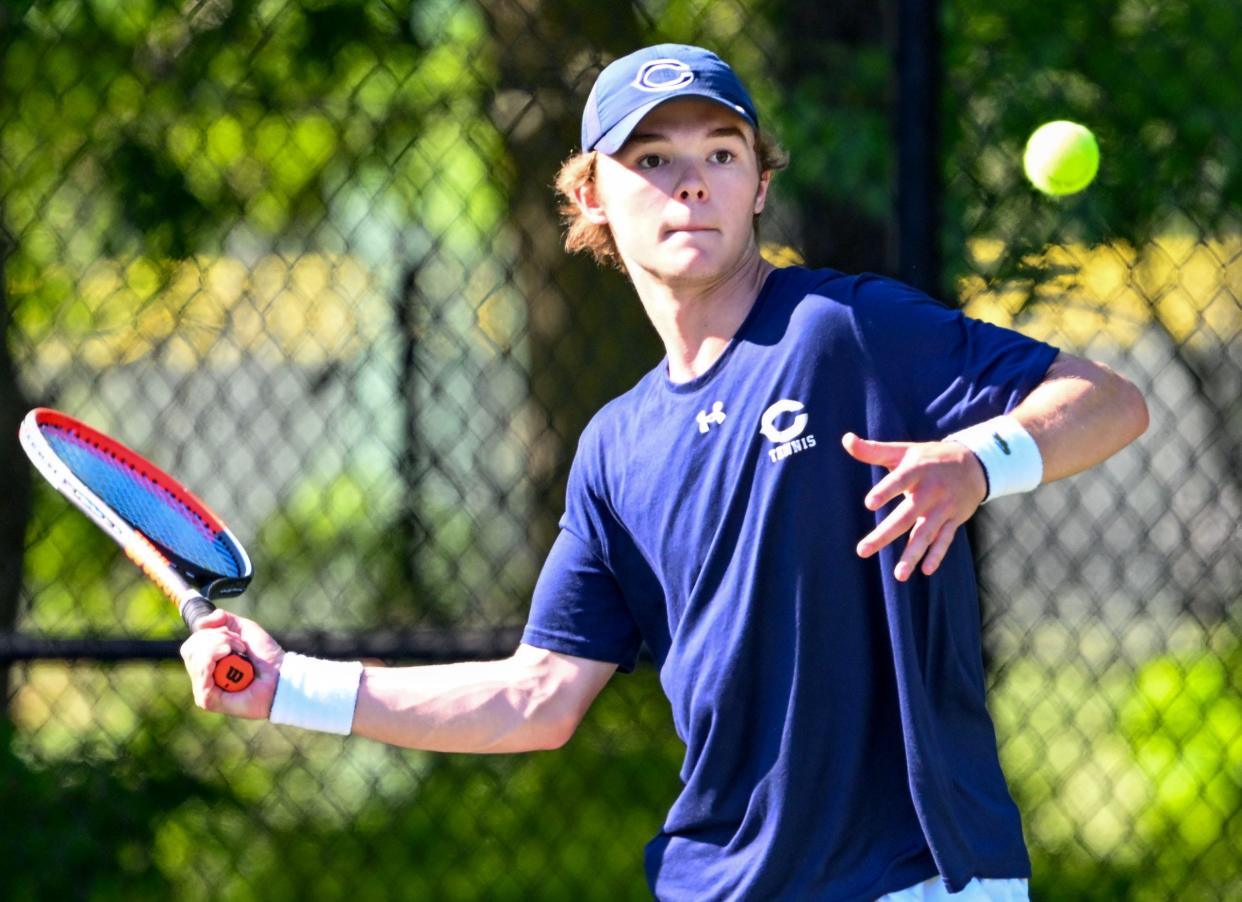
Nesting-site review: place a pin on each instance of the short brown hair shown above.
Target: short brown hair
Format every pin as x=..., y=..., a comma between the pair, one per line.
x=583, y=235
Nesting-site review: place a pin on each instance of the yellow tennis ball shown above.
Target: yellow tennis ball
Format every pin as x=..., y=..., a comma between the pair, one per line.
x=1061, y=157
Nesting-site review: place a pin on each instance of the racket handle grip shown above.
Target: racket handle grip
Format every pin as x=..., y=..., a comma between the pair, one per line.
x=233, y=672
x=195, y=610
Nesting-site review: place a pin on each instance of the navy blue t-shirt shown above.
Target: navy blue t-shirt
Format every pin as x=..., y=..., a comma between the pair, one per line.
x=837, y=742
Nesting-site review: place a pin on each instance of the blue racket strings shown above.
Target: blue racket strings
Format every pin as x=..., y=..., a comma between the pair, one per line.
x=146, y=506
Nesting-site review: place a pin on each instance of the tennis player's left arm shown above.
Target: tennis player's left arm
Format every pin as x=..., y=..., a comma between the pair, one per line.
x=1082, y=413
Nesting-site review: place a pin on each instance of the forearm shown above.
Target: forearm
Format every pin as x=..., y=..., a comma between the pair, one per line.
x=1081, y=414
x=493, y=706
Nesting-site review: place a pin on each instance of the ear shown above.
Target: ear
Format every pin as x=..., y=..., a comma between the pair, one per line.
x=761, y=196
x=587, y=199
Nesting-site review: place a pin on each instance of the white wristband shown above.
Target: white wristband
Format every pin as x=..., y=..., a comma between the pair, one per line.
x=1010, y=458
x=315, y=694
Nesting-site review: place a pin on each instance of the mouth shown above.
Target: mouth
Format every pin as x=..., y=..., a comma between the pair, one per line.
x=686, y=230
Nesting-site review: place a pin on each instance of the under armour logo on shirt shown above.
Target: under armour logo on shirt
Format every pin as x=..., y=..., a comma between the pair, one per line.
x=706, y=419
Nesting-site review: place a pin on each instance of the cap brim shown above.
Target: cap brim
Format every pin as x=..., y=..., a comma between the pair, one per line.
x=615, y=137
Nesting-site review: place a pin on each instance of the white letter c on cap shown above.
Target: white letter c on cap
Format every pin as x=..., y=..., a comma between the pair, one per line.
x=671, y=74
x=767, y=425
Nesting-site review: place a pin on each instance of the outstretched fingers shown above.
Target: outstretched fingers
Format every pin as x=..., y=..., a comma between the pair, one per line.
x=881, y=454
x=928, y=530
x=931, y=533
x=895, y=524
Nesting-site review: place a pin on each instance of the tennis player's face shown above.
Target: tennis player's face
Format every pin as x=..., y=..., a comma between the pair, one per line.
x=681, y=194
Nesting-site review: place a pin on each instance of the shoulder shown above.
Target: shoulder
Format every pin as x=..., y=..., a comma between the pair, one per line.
x=623, y=407
x=851, y=294
x=877, y=308
x=815, y=304
x=608, y=429
x=863, y=293
x=794, y=284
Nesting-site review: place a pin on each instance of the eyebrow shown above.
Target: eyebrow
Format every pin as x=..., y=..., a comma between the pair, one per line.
x=725, y=131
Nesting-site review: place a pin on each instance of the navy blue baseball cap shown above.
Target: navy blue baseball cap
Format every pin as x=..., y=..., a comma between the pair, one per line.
x=631, y=87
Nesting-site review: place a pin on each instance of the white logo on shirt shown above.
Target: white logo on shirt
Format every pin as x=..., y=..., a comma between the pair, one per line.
x=663, y=75
x=788, y=441
x=705, y=419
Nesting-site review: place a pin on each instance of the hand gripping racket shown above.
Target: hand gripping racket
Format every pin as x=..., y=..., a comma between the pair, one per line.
x=176, y=540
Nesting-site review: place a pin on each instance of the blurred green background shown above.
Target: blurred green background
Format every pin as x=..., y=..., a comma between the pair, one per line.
x=306, y=255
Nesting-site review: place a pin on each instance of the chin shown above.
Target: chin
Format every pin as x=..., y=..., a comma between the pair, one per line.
x=697, y=269
x=690, y=258
x=701, y=263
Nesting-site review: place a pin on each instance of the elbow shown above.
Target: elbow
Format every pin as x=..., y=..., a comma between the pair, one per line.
x=556, y=734
x=546, y=732
x=1142, y=417
x=556, y=691
x=550, y=714
x=1118, y=405
x=1129, y=417
x=555, y=721
x=1137, y=417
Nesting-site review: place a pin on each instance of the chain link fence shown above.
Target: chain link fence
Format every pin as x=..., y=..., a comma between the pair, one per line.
x=305, y=256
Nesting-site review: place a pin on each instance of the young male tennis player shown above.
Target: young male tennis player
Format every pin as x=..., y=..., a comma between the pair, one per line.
x=739, y=511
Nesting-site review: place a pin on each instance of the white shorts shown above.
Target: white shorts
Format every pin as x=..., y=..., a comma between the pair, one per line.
x=1012, y=889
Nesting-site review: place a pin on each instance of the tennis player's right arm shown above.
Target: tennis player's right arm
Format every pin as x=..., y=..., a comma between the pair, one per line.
x=532, y=700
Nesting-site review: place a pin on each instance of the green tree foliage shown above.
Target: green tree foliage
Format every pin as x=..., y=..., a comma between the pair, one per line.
x=1144, y=76
x=85, y=826
x=158, y=133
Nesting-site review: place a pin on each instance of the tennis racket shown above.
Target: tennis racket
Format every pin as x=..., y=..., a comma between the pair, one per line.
x=172, y=536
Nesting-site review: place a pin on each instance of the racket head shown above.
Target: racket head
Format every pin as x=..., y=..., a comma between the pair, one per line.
x=93, y=469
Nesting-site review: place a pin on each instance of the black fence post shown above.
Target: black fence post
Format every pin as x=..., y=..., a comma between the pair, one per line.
x=917, y=134
x=15, y=481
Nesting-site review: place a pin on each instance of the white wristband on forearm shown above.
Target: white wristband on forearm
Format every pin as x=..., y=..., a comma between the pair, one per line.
x=1010, y=458
x=315, y=694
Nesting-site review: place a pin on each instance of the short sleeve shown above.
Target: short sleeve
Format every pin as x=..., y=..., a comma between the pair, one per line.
x=578, y=608
x=944, y=370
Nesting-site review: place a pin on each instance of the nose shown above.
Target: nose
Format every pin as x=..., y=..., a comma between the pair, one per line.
x=691, y=185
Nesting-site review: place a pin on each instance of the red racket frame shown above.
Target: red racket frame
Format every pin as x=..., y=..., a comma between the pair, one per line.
x=232, y=672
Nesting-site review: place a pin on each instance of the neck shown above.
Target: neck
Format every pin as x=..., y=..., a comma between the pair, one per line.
x=697, y=320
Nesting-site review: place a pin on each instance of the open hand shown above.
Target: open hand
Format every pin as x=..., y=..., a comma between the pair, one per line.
x=943, y=485
x=215, y=636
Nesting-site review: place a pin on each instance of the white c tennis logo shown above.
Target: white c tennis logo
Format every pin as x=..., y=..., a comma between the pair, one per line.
x=663, y=75
x=767, y=425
